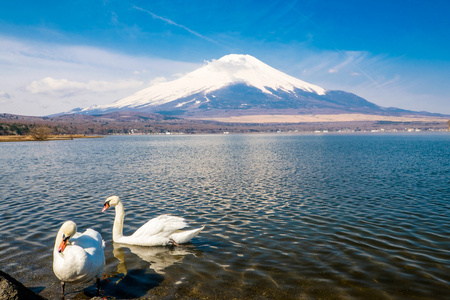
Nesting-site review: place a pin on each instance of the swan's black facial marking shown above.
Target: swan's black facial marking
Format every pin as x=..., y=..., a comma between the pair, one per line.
x=65, y=240
x=106, y=206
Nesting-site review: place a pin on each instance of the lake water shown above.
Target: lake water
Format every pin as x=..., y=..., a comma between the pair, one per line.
x=286, y=216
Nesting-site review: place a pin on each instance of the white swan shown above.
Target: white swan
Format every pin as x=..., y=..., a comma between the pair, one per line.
x=79, y=260
x=160, y=231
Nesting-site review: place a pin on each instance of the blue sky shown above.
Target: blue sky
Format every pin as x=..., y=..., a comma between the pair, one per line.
x=58, y=55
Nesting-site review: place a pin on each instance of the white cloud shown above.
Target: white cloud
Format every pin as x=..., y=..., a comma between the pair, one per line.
x=351, y=61
x=51, y=78
x=137, y=72
x=5, y=95
x=66, y=87
x=43, y=78
x=158, y=80
x=333, y=70
x=168, y=21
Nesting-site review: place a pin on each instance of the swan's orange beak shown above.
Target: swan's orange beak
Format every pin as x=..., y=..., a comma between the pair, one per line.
x=105, y=206
x=63, y=245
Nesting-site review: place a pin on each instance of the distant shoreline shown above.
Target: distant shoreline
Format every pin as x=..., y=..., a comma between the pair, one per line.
x=29, y=138
x=317, y=118
x=146, y=123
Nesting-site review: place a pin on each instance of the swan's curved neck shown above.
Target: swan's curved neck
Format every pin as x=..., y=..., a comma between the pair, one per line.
x=118, y=221
x=58, y=241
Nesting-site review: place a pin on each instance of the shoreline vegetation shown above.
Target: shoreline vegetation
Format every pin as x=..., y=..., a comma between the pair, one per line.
x=27, y=128
x=29, y=138
x=52, y=137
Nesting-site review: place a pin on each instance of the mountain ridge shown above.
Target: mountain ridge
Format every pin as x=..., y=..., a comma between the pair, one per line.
x=236, y=85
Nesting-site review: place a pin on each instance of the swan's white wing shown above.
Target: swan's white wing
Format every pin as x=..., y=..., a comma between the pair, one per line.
x=163, y=225
x=91, y=241
x=87, y=252
x=69, y=265
x=184, y=236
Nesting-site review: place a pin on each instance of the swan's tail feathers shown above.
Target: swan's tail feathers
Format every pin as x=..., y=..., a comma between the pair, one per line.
x=184, y=236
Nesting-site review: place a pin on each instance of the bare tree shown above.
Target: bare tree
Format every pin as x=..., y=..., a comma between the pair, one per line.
x=40, y=133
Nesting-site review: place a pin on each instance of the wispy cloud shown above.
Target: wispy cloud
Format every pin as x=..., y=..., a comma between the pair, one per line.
x=66, y=87
x=168, y=21
x=41, y=79
x=330, y=63
x=357, y=64
x=5, y=95
x=373, y=77
x=351, y=58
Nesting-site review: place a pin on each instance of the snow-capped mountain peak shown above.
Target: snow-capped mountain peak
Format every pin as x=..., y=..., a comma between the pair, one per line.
x=228, y=70
x=253, y=72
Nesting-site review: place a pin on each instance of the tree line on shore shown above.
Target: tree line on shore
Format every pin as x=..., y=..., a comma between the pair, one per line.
x=132, y=123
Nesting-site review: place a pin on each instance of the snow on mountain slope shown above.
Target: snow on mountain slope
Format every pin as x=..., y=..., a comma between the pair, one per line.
x=228, y=70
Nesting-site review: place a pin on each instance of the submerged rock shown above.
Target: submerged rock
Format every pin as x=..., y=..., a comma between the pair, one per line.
x=11, y=289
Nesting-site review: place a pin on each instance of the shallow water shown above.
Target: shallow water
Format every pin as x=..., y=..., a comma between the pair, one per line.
x=287, y=216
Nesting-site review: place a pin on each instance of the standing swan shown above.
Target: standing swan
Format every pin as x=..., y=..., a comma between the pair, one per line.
x=79, y=260
x=160, y=231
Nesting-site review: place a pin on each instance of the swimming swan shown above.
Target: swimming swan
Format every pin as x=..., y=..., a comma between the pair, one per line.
x=80, y=259
x=160, y=231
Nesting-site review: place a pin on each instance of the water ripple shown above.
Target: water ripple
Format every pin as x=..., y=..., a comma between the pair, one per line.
x=287, y=217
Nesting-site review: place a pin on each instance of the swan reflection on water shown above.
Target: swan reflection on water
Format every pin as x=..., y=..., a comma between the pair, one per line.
x=134, y=278
x=159, y=258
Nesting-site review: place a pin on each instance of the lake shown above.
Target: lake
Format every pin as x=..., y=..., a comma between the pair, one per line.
x=287, y=216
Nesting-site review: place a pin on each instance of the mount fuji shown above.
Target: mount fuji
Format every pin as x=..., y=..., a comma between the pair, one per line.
x=237, y=85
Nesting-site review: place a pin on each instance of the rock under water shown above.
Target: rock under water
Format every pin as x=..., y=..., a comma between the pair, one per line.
x=11, y=289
